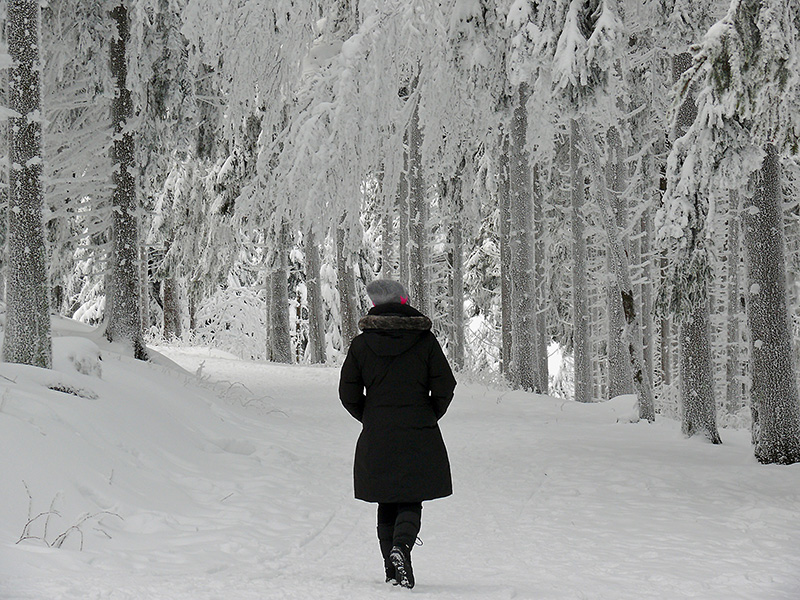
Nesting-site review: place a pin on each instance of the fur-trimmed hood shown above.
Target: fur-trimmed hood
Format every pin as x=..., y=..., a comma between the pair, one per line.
x=421, y=323
x=391, y=329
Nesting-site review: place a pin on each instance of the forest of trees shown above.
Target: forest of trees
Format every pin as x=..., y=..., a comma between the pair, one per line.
x=618, y=179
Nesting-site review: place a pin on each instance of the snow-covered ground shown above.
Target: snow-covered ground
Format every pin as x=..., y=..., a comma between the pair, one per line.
x=239, y=487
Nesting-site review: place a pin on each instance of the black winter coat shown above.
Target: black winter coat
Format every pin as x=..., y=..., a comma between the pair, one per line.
x=400, y=454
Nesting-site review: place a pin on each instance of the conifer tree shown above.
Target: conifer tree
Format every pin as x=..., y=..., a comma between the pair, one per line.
x=747, y=100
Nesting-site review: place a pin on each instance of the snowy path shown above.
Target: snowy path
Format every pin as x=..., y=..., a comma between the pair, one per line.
x=552, y=500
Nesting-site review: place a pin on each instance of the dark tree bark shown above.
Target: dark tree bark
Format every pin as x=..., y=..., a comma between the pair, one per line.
x=773, y=393
x=505, y=256
x=316, y=318
x=172, y=309
x=697, y=378
x=348, y=311
x=620, y=378
x=419, y=248
x=580, y=291
x=540, y=296
x=27, y=330
x=122, y=299
x=280, y=333
x=523, y=312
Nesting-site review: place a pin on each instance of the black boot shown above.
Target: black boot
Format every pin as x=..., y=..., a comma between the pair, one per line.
x=385, y=534
x=401, y=559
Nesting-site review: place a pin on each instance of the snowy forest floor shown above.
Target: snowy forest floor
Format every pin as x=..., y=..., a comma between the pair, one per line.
x=239, y=487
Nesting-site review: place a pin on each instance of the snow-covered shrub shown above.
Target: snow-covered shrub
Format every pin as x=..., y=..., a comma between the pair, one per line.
x=76, y=354
x=235, y=320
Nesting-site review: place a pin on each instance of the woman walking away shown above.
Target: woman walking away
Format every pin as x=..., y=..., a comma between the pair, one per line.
x=400, y=458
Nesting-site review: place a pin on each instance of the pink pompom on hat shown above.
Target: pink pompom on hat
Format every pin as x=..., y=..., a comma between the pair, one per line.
x=384, y=291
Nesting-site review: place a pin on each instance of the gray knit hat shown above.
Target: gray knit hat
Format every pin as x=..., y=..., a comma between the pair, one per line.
x=383, y=291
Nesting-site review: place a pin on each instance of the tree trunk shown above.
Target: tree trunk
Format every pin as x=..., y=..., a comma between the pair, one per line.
x=733, y=348
x=773, y=393
x=457, y=269
x=388, y=270
x=403, y=211
x=620, y=379
x=699, y=409
x=523, y=315
x=648, y=277
x=419, y=251
x=280, y=334
x=699, y=414
x=124, y=323
x=505, y=256
x=172, y=308
x=621, y=270
x=348, y=311
x=27, y=331
x=540, y=296
x=316, y=318
x=580, y=306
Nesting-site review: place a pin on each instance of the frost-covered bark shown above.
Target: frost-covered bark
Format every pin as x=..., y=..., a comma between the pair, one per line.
x=455, y=201
x=620, y=269
x=523, y=315
x=687, y=286
x=419, y=248
x=580, y=306
x=172, y=308
x=388, y=263
x=316, y=315
x=504, y=217
x=733, y=363
x=280, y=333
x=698, y=415
x=620, y=378
x=403, y=212
x=27, y=330
x=773, y=393
x=122, y=298
x=346, y=283
x=539, y=282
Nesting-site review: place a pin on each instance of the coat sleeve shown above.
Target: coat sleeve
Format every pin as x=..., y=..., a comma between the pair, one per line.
x=441, y=379
x=351, y=385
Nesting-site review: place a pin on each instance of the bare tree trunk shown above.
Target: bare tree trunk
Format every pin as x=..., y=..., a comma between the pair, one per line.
x=733, y=348
x=505, y=256
x=388, y=269
x=540, y=296
x=403, y=211
x=348, y=311
x=580, y=306
x=699, y=416
x=143, y=260
x=621, y=270
x=124, y=324
x=419, y=250
x=172, y=308
x=316, y=319
x=280, y=334
x=620, y=379
x=457, y=268
x=27, y=330
x=773, y=393
x=523, y=315
x=648, y=327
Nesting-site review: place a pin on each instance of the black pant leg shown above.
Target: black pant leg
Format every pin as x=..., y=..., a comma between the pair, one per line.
x=407, y=523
